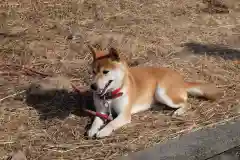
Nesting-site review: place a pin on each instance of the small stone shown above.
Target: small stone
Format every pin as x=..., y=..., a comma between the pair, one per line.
x=18, y=156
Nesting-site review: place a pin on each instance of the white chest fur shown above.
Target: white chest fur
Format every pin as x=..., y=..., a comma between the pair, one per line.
x=119, y=104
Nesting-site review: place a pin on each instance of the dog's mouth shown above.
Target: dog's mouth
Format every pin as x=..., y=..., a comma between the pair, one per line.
x=101, y=92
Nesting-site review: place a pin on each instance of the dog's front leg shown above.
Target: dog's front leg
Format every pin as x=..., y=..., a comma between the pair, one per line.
x=98, y=122
x=96, y=125
x=119, y=121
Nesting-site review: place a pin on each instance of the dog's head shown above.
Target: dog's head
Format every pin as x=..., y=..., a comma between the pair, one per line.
x=108, y=70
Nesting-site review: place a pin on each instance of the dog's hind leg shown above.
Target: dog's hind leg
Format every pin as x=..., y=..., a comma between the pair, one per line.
x=174, y=97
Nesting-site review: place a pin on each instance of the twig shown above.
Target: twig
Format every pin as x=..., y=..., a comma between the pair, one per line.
x=70, y=149
x=8, y=142
x=27, y=69
x=9, y=73
x=12, y=95
x=37, y=72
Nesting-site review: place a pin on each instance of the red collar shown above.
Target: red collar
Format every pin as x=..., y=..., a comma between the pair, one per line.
x=112, y=95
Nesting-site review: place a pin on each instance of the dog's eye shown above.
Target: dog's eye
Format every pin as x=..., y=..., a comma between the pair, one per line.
x=105, y=72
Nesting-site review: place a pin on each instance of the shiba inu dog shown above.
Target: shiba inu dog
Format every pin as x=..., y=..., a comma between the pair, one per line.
x=128, y=90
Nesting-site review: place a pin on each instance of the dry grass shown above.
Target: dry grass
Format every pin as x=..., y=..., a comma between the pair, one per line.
x=198, y=38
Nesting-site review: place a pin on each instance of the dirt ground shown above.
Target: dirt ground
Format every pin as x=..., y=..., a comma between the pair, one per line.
x=198, y=38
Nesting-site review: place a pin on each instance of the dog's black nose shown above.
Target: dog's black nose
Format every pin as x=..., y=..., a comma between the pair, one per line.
x=94, y=86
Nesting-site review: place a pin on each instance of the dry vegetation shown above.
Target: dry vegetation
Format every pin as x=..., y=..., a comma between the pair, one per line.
x=200, y=39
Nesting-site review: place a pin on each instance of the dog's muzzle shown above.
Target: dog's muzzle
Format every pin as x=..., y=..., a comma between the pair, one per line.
x=103, y=91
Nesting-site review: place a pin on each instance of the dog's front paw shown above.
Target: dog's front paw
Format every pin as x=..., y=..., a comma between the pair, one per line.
x=104, y=132
x=91, y=132
x=179, y=112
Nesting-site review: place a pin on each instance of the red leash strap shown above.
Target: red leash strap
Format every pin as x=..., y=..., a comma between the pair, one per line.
x=104, y=116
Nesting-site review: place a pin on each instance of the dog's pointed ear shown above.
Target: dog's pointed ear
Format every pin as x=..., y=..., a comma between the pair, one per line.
x=114, y=54
x=93, y=52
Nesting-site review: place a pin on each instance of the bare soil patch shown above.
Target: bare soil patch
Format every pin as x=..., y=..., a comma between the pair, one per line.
x=200, y=39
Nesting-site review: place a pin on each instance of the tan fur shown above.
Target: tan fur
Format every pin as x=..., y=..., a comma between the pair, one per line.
x=145, y=85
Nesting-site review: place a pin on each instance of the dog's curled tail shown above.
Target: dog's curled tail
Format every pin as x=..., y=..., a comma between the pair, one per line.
x=209, y=91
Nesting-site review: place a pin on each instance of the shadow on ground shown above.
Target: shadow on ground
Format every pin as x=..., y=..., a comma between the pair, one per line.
x=213, y=50
x=58, y=103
